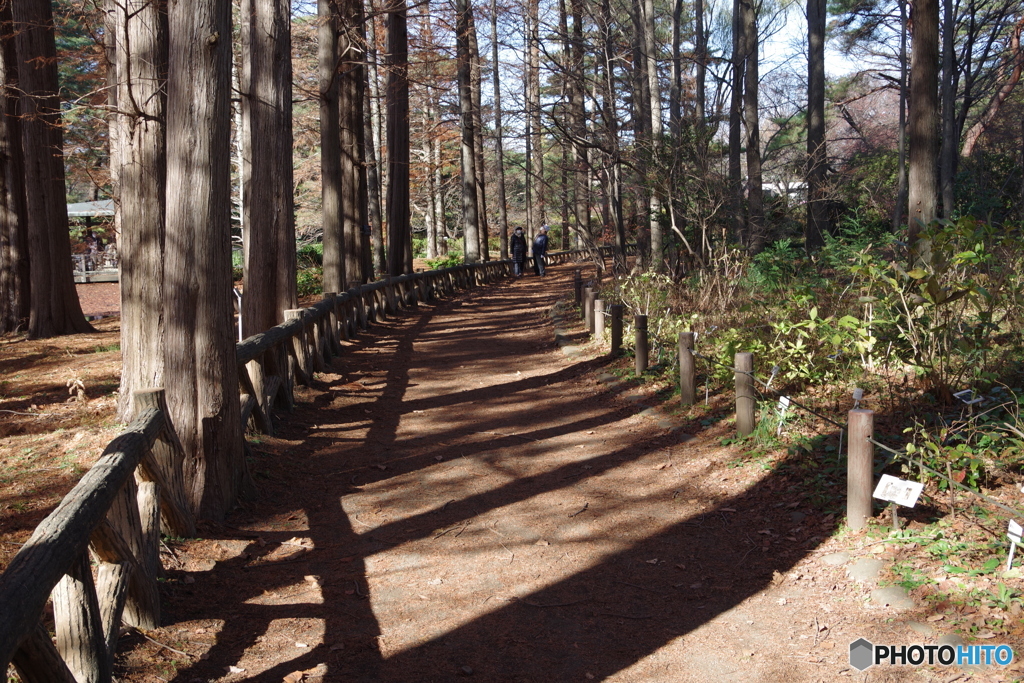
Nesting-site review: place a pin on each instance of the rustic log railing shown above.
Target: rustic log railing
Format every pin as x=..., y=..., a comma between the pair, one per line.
x=112, y=519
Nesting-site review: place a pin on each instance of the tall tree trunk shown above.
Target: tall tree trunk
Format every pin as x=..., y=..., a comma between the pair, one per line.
x=923, y=128
x=200, y=370
x=578, y=124
x=499, y=152
x=470, y=209
x=53, y=308
x=476, y=86
x=14, y=261
x=675, y=100
x=399, y=228
x=373, y=146
x=755, y=194
x=700, y=39
x=536, y=176
x=817, y=159
x=608, y=58
x=266, y=100
x=430, y=213
x=335, y=277
x=739, y=62
x=950, y=140
x=901, y=184
x=140, y=164
x=350, y=106
x=654, y=91
x=438, y=196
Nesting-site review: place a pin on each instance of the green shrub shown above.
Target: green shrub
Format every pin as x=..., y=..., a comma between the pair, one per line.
x=310, y=281
x=449, y=261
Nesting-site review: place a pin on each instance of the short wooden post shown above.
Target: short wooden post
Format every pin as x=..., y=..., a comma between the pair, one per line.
x=577, y=286
x=333, y=325
x=860, y=460
x=77, y=622
x=640, y=324
x=687, y=388
x=616, y=329
x=299, y=358
x=744, y=369
x=599, y=320
x=588, y=310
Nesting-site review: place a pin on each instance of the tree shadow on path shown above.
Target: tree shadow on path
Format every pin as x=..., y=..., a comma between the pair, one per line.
x=480, y=507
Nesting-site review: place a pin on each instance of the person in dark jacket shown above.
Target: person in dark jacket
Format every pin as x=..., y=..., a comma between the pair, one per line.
x=517, y=248
x=540, y=250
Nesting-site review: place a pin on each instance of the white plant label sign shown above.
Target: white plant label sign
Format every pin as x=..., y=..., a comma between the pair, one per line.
x=898, y=491
x=1015, y=531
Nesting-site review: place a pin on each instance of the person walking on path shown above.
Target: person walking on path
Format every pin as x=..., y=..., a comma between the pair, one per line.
x=517, y=247
x=540, y=250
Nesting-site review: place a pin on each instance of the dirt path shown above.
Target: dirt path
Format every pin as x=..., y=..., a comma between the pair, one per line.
x=457, y=498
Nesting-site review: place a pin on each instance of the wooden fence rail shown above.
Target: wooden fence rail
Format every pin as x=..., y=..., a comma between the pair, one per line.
x=97, y=555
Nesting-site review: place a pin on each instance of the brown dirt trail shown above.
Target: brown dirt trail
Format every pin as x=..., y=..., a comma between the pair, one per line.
x=456, y=498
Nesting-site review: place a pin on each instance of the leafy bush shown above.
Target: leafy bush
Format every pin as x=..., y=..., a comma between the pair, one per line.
x=310, y=255
x=449, y=261
x=310, y=281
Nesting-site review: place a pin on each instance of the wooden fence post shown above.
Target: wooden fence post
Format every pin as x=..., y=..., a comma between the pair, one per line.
x=640, y=324
x=860, y=461
x=589, y=295
x=299, y=362
x=333, y=325
x=577, y=286
x=76, y=616
x=687, y=390
x=616, y=330
x=745, y=402
x=599, y=320
x=167, y=458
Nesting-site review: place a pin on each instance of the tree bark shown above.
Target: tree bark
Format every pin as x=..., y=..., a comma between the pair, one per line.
x=817, y=159
x=14, y=261
x=399, y=228
x=577, y=113
x=675, y=100
x=535, y=163
x=470, y=209
x=739, y=61
x=755, y=195
x=350, y=105
x=901, y=184
x=373, y=144
x=612, y=133
x=140, y=162
x=268, y=208
x=499, y=153
x=923, y=124
x=330, y=147
x=950, y=139
x=654, y=92
x=476, y=87
x=53, y=308
x=200, y=368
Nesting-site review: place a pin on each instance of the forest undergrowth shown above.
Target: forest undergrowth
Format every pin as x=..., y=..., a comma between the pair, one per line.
x=932, y=349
